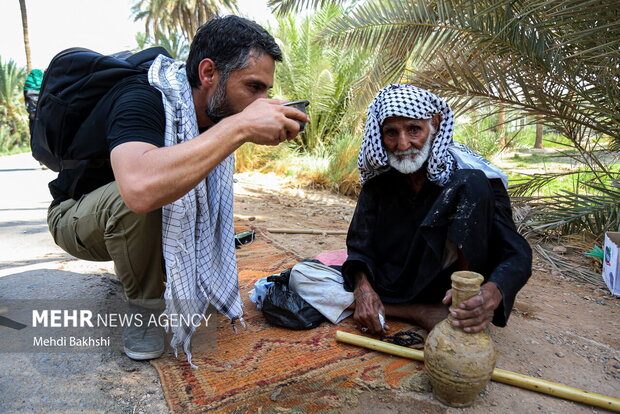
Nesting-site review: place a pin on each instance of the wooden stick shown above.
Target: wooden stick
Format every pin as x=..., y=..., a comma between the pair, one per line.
x=499, y=375
x=307, y=231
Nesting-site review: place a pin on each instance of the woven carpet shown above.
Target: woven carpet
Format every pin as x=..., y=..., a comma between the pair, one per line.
x=269, y=369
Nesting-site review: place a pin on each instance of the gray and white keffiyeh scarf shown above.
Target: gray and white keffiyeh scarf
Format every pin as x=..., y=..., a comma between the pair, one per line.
x=197, y=229
x=417, y=103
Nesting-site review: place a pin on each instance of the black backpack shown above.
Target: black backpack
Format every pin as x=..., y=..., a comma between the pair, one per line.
x=74, y=82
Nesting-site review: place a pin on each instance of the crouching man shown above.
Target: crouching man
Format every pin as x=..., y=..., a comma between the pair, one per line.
x=429, y=207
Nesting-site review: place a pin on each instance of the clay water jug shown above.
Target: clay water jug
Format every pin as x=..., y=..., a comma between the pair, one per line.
x=458, y=363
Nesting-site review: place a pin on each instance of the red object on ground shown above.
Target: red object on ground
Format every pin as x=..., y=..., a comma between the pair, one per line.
x=332, y=257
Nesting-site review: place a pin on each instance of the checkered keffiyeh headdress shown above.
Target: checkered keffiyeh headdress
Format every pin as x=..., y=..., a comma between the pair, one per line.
x=417, y=103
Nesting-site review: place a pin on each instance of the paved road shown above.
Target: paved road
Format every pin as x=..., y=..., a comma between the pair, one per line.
x=33, y=267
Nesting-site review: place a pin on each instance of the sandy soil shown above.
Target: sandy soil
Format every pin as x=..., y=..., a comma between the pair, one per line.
x=560, y=330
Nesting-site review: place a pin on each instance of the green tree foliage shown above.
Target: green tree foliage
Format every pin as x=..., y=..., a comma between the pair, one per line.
x=594, y=212
x=174, y=43
x=282, y=7
x=321, y=74
x=172, y=17
x=13, y=119
x=479, y=132
x=556, y=61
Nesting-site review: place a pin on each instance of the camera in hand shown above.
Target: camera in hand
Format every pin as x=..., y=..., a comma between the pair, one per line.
x=299, y=105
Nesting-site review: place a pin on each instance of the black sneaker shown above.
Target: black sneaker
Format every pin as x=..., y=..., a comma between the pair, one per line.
x=143, y=342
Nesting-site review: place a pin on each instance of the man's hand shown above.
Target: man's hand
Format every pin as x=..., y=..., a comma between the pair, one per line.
x=149, y=177
x=269, y=123
x=368, y=306
x=476, y=313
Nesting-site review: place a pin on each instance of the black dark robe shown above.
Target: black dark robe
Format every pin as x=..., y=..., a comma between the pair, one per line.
x=397, y=237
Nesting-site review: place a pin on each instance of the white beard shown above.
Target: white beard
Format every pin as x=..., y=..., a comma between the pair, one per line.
x=411, y=160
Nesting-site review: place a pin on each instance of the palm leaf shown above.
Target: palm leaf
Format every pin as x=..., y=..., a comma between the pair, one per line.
x=322, y=74
x=283, y=7
x=373, y=26
x=13, y=124
x=12, y=79
x=172, y=16
x=500, y=51
x=572, y=212
x=555, y=60
x=535, y=183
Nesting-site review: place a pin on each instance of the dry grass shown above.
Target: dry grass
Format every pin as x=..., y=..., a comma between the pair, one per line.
x=332, y=169
x=342, y=168
x=251, y=157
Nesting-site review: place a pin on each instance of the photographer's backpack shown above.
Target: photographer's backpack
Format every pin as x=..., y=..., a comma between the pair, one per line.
x=74, y=82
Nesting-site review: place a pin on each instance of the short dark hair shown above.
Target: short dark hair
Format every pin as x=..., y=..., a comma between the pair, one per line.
x=229, y=41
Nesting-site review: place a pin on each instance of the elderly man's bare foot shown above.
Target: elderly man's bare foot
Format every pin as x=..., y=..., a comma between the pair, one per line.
x=431, y=314
x=422, y=314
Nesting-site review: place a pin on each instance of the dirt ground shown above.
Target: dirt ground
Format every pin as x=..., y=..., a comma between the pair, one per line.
x=560, y=330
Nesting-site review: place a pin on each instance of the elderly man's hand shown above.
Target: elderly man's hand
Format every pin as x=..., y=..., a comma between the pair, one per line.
x=368, y=306
x=476, y=313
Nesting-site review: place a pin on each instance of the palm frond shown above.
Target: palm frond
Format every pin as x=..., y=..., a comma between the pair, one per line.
x=374, y=26
x=11, y=81
x=172, y=16
x=500, y=51
x=569, y=268
x=283, y=7
x=173, y=43
x=531, y=184
x=320, y=73
x=571, y=212
x=556, y=61
x=13, y=120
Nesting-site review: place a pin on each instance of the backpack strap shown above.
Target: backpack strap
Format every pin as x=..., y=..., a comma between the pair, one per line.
x=146, y=55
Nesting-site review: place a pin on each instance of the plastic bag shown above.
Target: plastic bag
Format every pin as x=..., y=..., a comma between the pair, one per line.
x=285, y=308
x=257, y=295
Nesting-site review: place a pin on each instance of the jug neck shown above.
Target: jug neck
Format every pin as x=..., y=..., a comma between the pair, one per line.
x=465, y=285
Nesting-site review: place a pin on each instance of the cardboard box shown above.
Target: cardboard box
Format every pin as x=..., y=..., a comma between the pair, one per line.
x=611, y=262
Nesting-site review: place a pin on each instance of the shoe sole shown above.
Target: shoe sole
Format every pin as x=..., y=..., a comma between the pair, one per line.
x=141, y=356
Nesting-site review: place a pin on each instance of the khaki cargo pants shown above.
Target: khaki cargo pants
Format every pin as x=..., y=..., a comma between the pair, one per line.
x=100, y=227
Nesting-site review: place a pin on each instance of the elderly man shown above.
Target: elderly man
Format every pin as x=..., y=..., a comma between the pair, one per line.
x=428, y=207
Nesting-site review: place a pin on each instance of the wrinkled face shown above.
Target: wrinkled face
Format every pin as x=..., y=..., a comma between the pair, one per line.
x=408, y=142
x=243, y=87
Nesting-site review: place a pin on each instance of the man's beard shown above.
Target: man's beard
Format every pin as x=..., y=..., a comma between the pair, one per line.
x=411, y=160
x=218, y=106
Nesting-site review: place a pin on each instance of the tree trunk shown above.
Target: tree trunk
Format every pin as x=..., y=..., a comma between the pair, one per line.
x=539, y=135
x=501, y=127
x=22, y=6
